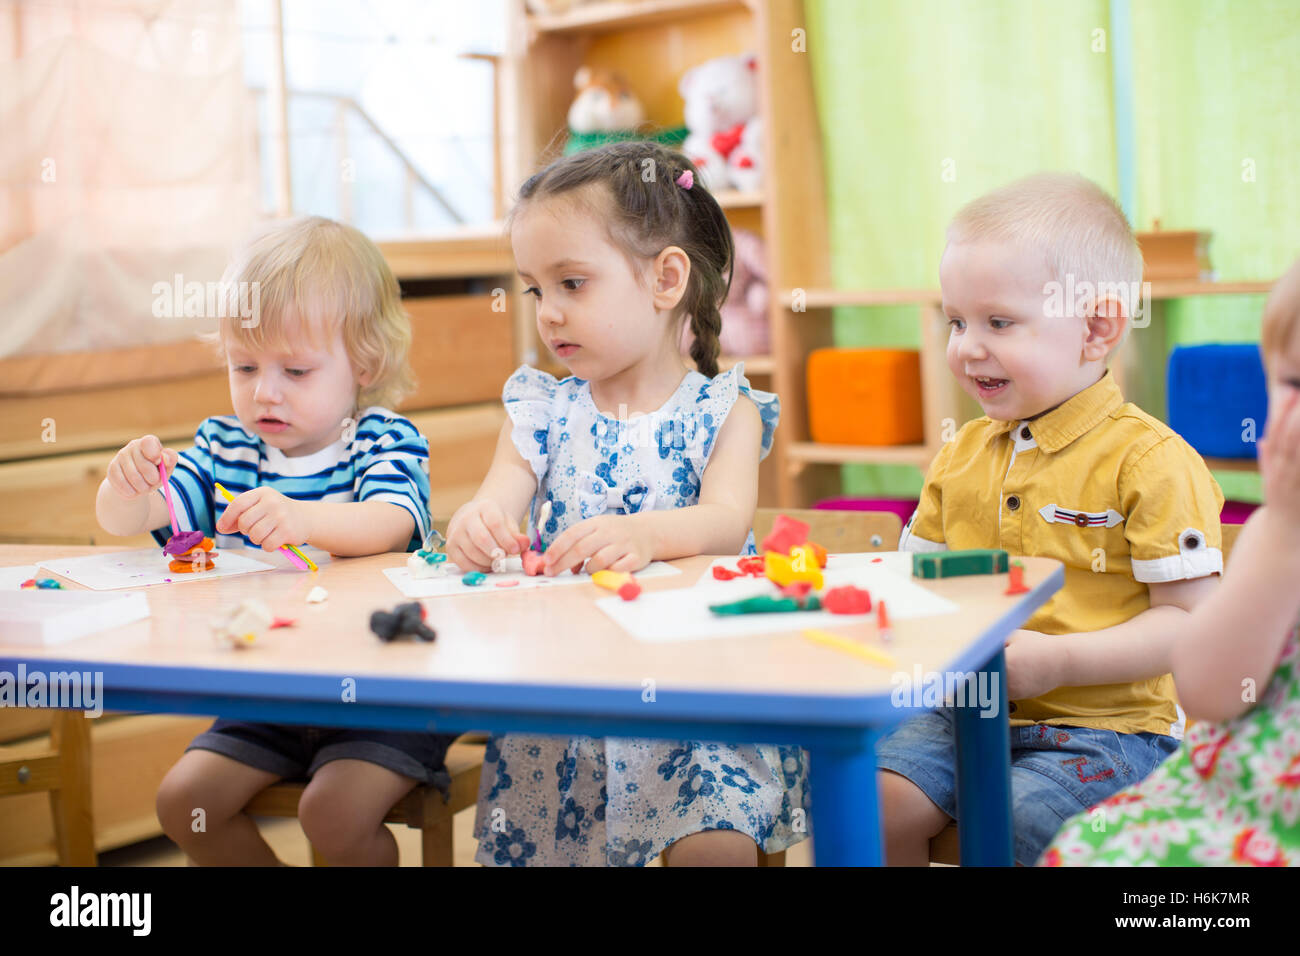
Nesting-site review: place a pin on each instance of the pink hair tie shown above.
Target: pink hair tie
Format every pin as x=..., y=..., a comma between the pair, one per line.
x=686, y=180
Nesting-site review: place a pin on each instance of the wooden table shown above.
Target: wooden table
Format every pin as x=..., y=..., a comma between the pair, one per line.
x=552, y=662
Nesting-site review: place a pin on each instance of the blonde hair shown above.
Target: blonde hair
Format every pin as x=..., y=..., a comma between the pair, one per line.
x=1281, y=315
x=1079, y=228
x=327, y=276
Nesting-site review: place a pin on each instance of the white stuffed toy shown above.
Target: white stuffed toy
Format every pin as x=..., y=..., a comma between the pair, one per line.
x=721, y=99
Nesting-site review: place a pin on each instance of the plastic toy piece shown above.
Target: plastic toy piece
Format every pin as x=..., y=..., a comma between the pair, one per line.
x=1016, y=583
x=630, y=590
x=241, y=626
x=474, y=578
x=498, y=560
x=612, y=580
x=819, y=551
x=952, y=564
x=766, y=604
x=882, y=622
x=786, y=533
x=533, y=561
x=543, y=516
x=726, y=574
x=847, y=600
x=405, y=619
x=317, y=595
x=781, y=569
x=848, y=646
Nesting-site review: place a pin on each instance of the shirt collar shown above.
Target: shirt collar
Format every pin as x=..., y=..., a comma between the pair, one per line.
x=1055, y=429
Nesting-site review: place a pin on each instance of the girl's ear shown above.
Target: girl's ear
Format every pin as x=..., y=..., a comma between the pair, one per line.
x=672, y=271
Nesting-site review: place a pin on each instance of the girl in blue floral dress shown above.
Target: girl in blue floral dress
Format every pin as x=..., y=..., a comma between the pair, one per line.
x=620, y=246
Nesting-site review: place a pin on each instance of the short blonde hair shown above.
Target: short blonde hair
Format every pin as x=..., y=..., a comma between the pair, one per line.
x=1281, y=315
x=1080, y=229
x=326, y=275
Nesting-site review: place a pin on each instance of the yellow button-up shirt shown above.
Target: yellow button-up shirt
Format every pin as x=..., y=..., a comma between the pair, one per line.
x=1103, y=487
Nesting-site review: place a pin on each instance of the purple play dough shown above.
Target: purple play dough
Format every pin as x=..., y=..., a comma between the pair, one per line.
x=178, y=544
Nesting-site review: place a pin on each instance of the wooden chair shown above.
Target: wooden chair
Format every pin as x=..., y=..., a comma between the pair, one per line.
x=423, y=808
x=63, y=770
x=837, y=530
x=945, y=848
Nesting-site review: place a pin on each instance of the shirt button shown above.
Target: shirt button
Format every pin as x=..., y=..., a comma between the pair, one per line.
x=1013, y=502
x=1081, y=520
x=1025, y=434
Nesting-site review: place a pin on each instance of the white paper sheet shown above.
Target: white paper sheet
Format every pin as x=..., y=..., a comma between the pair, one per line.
x=12, y=578
x=684, y=615
x=450, y=581
x=134, y=569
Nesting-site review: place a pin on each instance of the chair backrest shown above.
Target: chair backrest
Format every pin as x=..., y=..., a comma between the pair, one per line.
x=1230, y=532
x=837, y=531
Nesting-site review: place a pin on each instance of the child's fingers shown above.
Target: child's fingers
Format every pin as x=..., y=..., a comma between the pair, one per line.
x=605, y=558
x=522, y=541
x=261, y=527
x=237, y=509
x=151, y=448
x=481, y=540
x=136, y=481
x=573, y=556
x=502, y=536
x=628, y=563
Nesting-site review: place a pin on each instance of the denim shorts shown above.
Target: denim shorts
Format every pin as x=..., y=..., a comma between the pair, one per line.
x=296, y=753
x=1056, y=772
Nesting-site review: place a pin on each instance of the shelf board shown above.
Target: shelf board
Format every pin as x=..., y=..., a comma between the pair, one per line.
x=815, y=453
x=1167, y=289
x=829, y=298
x=609, y=16
x=1232, y=464
x=738, y=199
x=477, y=250
x=754, y=364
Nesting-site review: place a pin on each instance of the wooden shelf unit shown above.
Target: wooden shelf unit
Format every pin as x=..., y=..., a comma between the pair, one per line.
x=653, y=44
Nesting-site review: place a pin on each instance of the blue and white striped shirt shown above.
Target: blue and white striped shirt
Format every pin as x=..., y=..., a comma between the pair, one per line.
x=387, y=460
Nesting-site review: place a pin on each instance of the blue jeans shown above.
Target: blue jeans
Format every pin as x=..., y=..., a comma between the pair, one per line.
x=1056, y=772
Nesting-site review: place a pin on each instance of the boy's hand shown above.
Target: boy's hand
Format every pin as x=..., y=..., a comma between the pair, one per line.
x=614, y=542
x=477, y=529
x=1279, y=458
x=268, y=518
x=134, y=470
x=1034, y=664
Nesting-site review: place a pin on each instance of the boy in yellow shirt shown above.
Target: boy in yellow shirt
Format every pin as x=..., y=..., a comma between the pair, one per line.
x=1040, y=281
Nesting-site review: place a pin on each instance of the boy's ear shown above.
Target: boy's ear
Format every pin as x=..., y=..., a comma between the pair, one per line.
x=365, y=378
x=672, y=270
x=1107, y=322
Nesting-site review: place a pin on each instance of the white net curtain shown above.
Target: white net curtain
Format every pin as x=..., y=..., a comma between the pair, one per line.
x=127, y=157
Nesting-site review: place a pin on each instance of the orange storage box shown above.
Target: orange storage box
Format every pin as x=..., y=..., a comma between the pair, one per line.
x=865, y=397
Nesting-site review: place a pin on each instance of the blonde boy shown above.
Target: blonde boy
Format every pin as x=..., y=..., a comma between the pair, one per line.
x=1040, y=282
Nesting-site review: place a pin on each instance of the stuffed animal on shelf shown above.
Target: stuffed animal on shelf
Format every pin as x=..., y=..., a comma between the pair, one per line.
x=744, y=314
x=721, y=101
x=605, y=103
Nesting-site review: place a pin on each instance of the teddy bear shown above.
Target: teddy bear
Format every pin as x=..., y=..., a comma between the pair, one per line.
x=721, y=101
x=604, y=103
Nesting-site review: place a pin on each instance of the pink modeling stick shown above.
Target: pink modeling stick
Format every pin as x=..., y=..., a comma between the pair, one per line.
x=167, y=493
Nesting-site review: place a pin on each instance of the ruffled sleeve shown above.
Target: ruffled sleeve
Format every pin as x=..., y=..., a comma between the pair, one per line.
x=529, y=397
x=714, y=402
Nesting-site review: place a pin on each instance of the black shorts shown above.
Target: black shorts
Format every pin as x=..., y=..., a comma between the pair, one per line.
x=296, y=753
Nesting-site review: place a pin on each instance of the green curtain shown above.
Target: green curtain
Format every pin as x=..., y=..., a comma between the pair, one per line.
x=926, y=104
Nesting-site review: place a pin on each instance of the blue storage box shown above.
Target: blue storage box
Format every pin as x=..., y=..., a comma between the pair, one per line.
x=1215, y=393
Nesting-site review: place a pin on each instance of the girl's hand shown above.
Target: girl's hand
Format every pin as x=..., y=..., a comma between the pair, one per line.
x=1033, y=664
x=134, y=470
x=477, y=529
x=268, y=518
x=613, y=542
x=1279, y=458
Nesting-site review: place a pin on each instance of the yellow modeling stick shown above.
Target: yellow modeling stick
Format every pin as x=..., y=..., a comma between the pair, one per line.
x=843, y=644
x=297, y=557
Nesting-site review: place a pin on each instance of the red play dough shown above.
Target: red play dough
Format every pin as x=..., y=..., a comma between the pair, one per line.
x=629, y=591
x=786, y=533
x=753, y=566
x=847, y=600
x=797, y=589
x=533, y=561
x=725, y=574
